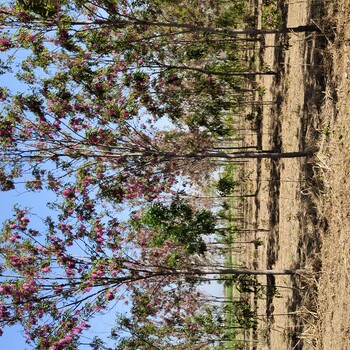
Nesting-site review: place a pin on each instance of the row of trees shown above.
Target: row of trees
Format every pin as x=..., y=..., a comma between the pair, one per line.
x=95, y=81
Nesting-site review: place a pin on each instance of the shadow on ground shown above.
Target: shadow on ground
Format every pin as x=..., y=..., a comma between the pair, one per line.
x=311, y=186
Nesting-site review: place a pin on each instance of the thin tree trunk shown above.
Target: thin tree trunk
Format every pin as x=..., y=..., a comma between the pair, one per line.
x=235, y=148
x=132, y=21
x=259, y=155
x=237, y=272
x=204, y=71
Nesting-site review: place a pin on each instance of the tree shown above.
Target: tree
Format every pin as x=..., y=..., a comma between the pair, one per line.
x=43, y=8
x=198, y=329
x=133, y=32
x=178, y=222
x=49, y=290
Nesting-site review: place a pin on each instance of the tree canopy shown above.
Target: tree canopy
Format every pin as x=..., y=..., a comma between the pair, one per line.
x=180, y=223
x=115, y=105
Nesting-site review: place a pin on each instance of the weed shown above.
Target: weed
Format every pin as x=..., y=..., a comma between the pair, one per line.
x=250, y=116
x=258, y=242
x=271, y=16
x=285, y=44
x=261, y=91
x=326, y=130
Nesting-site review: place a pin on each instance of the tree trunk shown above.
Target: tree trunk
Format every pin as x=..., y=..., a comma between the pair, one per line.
x=228, y=271
x=140, y=22
x=166, y=156
x=234, y=148
x=235, y=155
x=244, y=31
x=259, y=154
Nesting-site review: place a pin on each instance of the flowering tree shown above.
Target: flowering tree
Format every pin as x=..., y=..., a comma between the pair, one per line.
x=50, y=291
x=82, y=111
x=54, y=293
x=197, y=329
x=166, y=52
x=96, y=77
x=55, y=281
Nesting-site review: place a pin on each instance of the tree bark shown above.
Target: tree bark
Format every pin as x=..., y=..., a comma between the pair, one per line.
x=236, y=155
x=208, y=72
x=197, y=272
x=260, y=155
x=194, y=28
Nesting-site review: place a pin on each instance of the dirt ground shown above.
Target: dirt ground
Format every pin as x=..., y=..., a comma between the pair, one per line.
x=301, y=211
x=334, y=160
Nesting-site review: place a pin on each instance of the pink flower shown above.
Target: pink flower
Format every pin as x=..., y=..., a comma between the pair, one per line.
x=26, y=286
x=14, y=237
x=57, y=123
x=70, y=272
x=68, y=193
x=109, y=296
x=77, y=329
x=5, y=42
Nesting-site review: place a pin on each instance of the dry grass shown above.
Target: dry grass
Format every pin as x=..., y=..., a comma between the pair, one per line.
x=334, y=284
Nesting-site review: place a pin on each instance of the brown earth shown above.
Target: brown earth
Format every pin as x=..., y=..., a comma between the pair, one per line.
x=301, y=211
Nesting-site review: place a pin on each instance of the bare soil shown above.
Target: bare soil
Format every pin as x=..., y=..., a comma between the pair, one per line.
x=301, y=211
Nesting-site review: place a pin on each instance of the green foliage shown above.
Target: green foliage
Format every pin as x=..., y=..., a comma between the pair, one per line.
x=250, y=116
x=173, y=259
x=180, y=223
x=242, y=313
x=43, y=8
x=245, y=315
x=246, y=283
x=261, y=91
x=195, y=51
x=233, y=15
x=258, y=242
x=226, y=185
x=271, y=15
